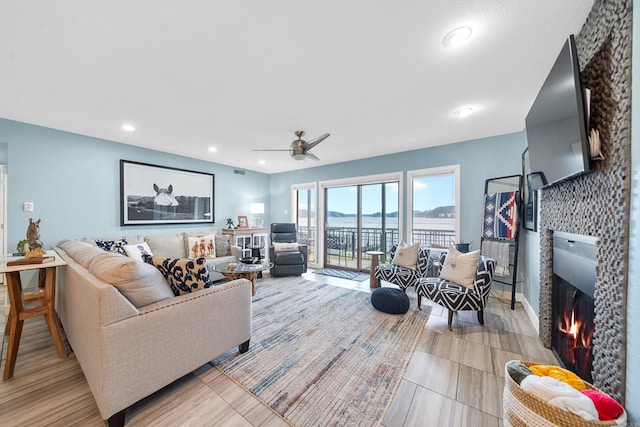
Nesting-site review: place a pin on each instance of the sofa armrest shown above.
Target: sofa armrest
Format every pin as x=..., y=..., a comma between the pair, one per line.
x=305, y=252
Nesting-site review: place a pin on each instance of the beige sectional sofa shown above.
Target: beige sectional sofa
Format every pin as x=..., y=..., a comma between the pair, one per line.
x=130, y=335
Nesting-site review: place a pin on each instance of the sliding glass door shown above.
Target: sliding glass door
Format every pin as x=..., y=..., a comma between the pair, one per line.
x=359, y=218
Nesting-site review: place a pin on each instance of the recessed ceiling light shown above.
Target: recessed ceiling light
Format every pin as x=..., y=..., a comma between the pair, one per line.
x=213, y=149
x=457, y=36
x=128, y=128
x=261, y=162
x=463, y=112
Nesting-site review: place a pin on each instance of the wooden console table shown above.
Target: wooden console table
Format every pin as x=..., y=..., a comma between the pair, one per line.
x=24, y=305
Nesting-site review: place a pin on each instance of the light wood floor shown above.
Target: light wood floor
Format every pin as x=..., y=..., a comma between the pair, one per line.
x=455, y=378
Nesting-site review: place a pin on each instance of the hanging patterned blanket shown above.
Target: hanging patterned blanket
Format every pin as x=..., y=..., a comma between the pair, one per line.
x=500, y=215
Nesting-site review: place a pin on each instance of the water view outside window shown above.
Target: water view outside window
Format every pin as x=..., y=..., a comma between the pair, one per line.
x=434, y=209
x=360, y=218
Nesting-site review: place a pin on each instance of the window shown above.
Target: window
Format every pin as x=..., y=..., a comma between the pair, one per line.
x=434, y=201
x=305, y=217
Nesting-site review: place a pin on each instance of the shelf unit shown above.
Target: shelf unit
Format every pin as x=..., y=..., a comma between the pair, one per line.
x=504, y=184
x=246, y=238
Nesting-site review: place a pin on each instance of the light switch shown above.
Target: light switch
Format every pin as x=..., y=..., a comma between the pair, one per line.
x=28, y=207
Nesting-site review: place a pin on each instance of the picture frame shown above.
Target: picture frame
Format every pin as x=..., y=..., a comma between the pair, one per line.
x=153, y=194
x=530, y=181
x=243, y=222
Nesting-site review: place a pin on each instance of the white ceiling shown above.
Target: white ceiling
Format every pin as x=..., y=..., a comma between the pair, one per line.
x=243, y=75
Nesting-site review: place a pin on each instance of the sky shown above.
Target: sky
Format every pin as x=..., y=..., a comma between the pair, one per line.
x=429, y=193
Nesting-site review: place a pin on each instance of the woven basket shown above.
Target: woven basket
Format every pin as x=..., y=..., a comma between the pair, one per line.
x=523, y=409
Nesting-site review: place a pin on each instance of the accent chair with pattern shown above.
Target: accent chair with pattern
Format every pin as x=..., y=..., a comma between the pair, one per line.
x=456, y=297
x=402, y=276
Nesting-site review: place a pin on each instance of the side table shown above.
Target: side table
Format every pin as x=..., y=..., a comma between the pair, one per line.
x=373, y=283
x=24, y=305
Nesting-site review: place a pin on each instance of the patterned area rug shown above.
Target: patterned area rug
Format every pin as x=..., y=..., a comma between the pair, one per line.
x=322, y=355
x=342, y=274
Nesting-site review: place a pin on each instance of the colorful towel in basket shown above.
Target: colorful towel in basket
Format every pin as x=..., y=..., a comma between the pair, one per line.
x=500, y=215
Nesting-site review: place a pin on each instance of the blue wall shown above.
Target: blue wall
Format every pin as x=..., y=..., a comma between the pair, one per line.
x=74, y=183
x=479, y=160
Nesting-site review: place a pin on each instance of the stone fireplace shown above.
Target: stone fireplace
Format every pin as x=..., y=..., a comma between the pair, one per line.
x=598, y=204
x=573, y=298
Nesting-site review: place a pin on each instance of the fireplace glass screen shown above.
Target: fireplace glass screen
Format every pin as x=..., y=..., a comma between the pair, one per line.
x=573, y=326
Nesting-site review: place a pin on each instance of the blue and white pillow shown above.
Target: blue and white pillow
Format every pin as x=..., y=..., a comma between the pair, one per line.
x=113, y=245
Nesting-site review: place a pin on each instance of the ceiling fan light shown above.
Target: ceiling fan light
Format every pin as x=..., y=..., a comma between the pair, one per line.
x=299, y=156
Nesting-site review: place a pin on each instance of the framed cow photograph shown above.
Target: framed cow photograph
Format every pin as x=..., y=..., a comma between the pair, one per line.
x=151, y=194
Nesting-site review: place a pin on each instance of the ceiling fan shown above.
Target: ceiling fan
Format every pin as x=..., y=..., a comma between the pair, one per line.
x=299, y=149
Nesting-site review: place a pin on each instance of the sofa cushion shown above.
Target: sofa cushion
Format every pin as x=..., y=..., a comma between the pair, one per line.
x=223, y=246
x=183, y=275
x=82, y=252
x=460, y=267
x=167, y=245
x=112, y=245
x=142, y=284
x=136, y=251
x=71, y=247
x=406, y=255
x=201, y=246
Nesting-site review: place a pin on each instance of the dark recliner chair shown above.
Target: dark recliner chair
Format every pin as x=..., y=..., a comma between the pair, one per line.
x=293, y=259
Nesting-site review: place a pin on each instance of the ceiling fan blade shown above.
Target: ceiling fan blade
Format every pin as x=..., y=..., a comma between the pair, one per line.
x=310, y=144
x=270, y=150
x=311, y=156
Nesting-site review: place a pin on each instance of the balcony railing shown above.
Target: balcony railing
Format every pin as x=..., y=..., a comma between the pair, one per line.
x=343, y=241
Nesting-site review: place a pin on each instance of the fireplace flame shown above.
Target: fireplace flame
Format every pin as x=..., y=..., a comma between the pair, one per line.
x=575, y=328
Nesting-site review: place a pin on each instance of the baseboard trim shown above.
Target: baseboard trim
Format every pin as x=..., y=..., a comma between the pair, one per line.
x=530, y=313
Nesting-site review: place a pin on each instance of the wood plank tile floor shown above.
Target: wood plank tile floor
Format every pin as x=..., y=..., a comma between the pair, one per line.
x=454, y=378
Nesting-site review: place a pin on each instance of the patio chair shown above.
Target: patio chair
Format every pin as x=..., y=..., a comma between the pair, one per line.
x=336, y=246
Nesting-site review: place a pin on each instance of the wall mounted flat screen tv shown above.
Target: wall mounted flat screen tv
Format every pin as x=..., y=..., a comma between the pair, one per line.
x=556, y=125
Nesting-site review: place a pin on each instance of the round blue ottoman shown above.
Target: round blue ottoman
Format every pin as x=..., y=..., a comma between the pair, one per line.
x=390, y=300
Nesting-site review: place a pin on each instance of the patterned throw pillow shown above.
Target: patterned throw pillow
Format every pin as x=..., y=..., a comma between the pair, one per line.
x=406, y=255
x=183, y=275
x=112, y=245
x=204, y=246
x=137, y=251
x=223, y=247
x=460, y=268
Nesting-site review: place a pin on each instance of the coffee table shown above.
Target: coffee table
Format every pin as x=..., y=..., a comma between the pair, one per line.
x=233, y=271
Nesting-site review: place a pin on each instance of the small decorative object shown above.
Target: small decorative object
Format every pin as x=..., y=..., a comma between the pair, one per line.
x=462, y=246
x=33, y=237
x=594, y=145
x=230, y=223
x=22, y=247
x=243, y=222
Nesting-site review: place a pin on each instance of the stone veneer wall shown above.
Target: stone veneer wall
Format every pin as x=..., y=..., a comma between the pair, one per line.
x=598, y=204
